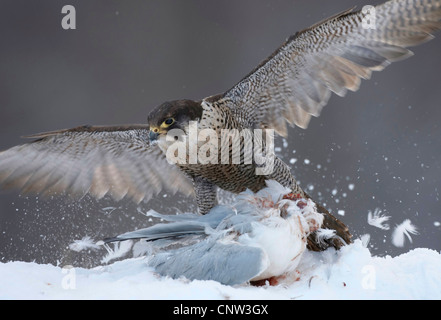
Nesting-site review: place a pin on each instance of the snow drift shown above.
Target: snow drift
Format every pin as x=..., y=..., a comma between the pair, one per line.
x=350, y=273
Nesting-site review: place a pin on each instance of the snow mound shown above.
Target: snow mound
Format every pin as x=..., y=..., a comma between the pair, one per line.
x=350, y=273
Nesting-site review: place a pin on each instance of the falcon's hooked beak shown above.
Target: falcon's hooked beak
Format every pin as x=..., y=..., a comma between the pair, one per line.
x=153, y=136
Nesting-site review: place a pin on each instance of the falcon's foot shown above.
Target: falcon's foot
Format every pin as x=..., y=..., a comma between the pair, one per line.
x=342, y=234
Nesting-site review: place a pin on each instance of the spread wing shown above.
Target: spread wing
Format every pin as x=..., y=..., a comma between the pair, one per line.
x=98, y=160
x=332, y=56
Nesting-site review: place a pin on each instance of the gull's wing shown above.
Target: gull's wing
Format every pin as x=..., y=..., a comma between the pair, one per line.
x=118, y=160
x=178, y=226
x=228, y=263
x=296, y=81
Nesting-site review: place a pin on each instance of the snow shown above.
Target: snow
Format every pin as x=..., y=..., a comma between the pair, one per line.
x=350, y=273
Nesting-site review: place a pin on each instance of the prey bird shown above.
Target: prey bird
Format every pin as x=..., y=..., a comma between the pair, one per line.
x=259, y=238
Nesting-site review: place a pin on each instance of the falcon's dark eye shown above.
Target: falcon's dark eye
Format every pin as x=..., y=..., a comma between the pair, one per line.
x=169, y=121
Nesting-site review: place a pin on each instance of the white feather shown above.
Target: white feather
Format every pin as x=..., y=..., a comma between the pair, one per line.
x=365, y=238
x=378, y=220
x=324, y=234
x=84, y=244
x=404, y=229
x=119, y=250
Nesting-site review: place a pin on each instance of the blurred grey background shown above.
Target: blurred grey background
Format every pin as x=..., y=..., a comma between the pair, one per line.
x=377, y=148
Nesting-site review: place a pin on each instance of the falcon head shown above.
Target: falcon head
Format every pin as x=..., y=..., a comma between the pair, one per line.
x=172, y=115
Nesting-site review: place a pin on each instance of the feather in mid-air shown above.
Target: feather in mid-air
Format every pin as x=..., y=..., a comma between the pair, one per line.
x=292, y=85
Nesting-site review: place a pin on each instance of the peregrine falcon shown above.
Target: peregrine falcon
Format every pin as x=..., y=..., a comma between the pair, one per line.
x=292, y=85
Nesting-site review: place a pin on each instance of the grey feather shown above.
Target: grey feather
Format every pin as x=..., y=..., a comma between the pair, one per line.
x=229, y=264
x=181, y=225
